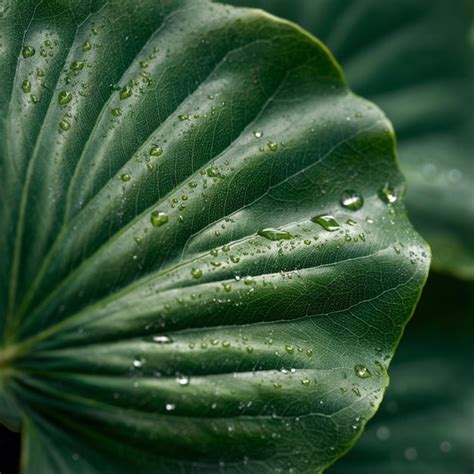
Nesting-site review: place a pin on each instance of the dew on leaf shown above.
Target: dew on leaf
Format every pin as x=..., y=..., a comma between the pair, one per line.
x=362, y=371
x=271, y=233
x=64, y=98
x=272, y=146
x=327, y=222
x=158, y=218
x=28, y=51
x=125, y=177
x=196, y=273
x=162, y=339
x=26, y=86
x=352, y=200
x=388, y=194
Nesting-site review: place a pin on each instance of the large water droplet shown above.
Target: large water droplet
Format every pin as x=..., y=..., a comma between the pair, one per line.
x=352, y=200
x=327, y=222
x=158, y=218
x=274, y=234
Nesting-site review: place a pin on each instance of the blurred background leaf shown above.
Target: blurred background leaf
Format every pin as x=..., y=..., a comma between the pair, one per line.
x=415, y=59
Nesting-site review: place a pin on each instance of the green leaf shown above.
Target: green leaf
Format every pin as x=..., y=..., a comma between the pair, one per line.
x=207, y=260
x=429, y=388
x=414, y=59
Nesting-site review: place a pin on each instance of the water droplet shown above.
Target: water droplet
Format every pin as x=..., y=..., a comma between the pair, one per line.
x=352, y=200
x=212, y=172
x=28, y=51
x=162, y=339
x=362, y=371
x=126, y=92
x=158, y=218
x=388, y=194
x=64, y=125
x=225, y=344
x=196, y=273
x=170, y=406
x=117, y=112
x=143, y=64
x=305, y=382
x=290, y=349
x=156, y=151
x=183, y=117
x=327, y=222
x=274, y=234
x=182, y=380
x=77, y=65
x=26, y=86
x=87, y=46
x=137, y=363
x=272, y=146
x=64, y=98
x=258, y=134
x=125, y=177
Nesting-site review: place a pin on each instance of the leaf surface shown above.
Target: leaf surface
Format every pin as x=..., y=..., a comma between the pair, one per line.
x=207, y=262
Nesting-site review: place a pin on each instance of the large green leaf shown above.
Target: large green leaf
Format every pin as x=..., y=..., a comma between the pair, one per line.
x=425, y=422
x=206, y=261
x=415, y=59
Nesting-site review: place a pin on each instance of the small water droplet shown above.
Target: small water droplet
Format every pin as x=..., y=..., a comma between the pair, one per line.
x=158, y=218
x=125, y=177
x=156, y=151
x=183, y=117
x=258, y=134
x=117, y=112
x=362, y=371
x=170, y=406
x=64, y=125
x=86, y=46
x=272, y=146
x=137, y=363
x=182, y=380
x=162, y=339
x=64, y=98
x=125, y=92
x=212, y=172
x=290, y=349
x=388, y=194
x=271, y=233
x=77, y=65
x=352, y=200
x=28, y=51
x=196, y=273
x=305, y=382
x=327, y=222
x=26, y=86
